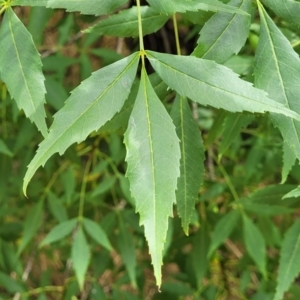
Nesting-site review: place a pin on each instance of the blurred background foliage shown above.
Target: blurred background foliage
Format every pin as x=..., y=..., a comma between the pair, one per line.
x=243, y=171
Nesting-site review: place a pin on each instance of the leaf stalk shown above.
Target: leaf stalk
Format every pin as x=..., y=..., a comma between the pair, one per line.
x=176, y=35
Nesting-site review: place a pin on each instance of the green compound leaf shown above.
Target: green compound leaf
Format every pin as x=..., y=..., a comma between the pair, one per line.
x=104, y=94
x=172, y=6
x=286, y=9
x=277, y=71
x=21, y=69
x=255, y=244
x=94, y=7
x=59, y=232
x=289, y=266
x=153, y=157
x=224, y=34
x=209, y=83
x=125, y=23
x=191, y=163
x=80, y=256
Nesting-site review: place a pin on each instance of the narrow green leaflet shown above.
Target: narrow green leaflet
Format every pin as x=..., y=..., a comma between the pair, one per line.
x=289, y=266
x=31, y=225
x=232, y=127
x=277, y=72
x=255, y=244
x=80, y=256
x=4, y=149
x=191, y=163
x=293, y=193
x=286, y=9
x=289, y=159
x=21, y=69
x=209, y=83
x=224, y=34
x=97, y=233
x=127, y=251
x=153, y=157
x=94, y=7
x=223, y=229
x=172, y=6
x=125, y=23
x=59, y=232
x=90, y=106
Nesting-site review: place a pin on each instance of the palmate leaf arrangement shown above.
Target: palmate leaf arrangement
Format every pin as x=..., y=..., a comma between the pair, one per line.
x=165, y=152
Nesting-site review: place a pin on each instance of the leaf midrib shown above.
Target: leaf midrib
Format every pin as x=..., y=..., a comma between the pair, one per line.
x=278, y=70
x=18, y=58
x=216, y=87
x=83, y=113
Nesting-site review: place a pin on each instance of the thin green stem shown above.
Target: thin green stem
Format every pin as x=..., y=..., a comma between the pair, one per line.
x=40, y=290
x=176, y=35
x=83, y=188
x=2, y=9
x=296, y=44
x=228, y=180
x=53, y=178
x=140, y=25
x=142, y=49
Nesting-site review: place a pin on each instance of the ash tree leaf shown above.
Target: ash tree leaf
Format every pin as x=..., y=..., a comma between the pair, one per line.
x=289, y=159
x=224, y=33
x=90, y=106
x=277, y=72
x=125, y=23
x=191, y=163
x=153, y=158
x=212, y=84
x=172, y=6
x=289, y=266
x=59, y=232
x=21, y=69
x=223, y=229
x=80, y=256
x=231, y=129
x=286, y=9
x=97, y=233
x=94, y=7
x=255, y=244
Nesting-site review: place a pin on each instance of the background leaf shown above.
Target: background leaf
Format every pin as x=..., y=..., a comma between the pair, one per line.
x=181, y=73
x=58, y=232
x=21, y=69
x=80, y=256
x=125, y=23
x=94, y=7
x=289, y=267
x=153, y=156
x=104, y=93
x=97, y=233
x=255, y=244
x=224, y=34
x=171, y=6
x=191, y=163
x=287, y=9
